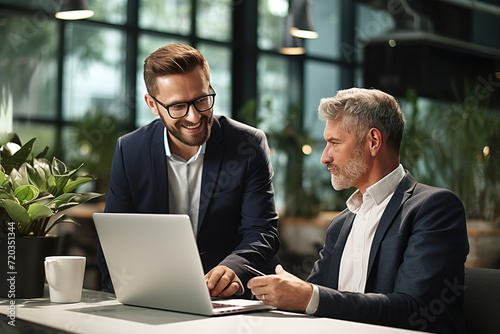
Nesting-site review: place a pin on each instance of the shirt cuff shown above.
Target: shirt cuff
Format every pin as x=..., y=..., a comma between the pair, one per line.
x=312, y=307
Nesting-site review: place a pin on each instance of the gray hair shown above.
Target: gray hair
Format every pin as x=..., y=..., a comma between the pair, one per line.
x=362, y=109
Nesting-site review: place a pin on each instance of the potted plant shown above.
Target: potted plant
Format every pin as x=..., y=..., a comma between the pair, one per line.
x=32, y=191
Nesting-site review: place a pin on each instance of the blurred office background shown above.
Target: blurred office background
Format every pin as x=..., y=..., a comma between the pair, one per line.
x=77, y=85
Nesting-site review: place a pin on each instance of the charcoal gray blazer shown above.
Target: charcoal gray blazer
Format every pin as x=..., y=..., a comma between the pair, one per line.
x=237, y=215
x=416, y=265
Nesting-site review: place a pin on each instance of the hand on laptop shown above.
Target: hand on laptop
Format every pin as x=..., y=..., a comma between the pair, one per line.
x=222, y=282
x=283, y=290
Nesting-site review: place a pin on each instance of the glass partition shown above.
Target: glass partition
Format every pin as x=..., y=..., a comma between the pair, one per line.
x=214, y=19
x=110, y=11
x=219, y=60
x=271, y=24
x=94, y=71
x=28, y=66
x=173, y=16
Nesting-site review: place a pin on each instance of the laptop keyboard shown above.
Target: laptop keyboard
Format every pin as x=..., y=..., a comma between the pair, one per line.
x=221, y=305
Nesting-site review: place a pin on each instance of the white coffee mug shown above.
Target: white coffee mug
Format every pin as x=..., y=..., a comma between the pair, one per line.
x=65, y=277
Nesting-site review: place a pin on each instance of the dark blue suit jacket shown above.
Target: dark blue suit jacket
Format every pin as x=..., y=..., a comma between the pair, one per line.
x=416, y=264
x=237, y=215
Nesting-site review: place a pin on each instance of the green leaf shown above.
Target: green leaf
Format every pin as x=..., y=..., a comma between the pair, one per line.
x=19, y=157
x=39, y=173
x=62, y=181
x=20, y=177
x=23, y=228
x=59, y=167
x=71, y=199
x=72, y=185
x=15, y=211
x=51, y=184
x=3, y=179
x=82, y=198
x=62, y=199
x=26, y=193
x=62, y=219
x=5, y=194
x=43, y=153
x=36, y=178
x=38, y=211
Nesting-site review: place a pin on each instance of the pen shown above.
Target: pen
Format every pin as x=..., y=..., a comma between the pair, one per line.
x=254, y=271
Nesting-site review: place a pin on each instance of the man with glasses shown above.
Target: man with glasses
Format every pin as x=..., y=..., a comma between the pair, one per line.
x=193, y=162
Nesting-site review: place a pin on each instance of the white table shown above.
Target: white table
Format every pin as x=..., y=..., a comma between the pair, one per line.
x=100, y=312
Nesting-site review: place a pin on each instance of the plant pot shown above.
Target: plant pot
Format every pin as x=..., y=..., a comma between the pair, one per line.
x=484, y=243
x=22, y=273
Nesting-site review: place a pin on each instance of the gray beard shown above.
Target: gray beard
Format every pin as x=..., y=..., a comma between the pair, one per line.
x=353, y=170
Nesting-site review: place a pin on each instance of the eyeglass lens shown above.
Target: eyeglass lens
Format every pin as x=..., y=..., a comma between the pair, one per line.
x=204, y=103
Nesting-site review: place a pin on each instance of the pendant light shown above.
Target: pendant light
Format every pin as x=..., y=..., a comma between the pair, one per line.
x=74, y=10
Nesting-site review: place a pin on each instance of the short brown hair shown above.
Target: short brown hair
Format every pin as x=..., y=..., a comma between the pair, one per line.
x=172, y=59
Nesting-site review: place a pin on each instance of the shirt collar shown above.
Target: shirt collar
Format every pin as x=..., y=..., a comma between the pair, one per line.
x=168, y=153
x=378, y=191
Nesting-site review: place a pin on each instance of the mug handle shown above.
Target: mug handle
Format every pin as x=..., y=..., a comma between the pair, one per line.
x=50, y=273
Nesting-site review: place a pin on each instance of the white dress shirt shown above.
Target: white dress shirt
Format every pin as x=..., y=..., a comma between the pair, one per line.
x=184, y=183
x=368, y=208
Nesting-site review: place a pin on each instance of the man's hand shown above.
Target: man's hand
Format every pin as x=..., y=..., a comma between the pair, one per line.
x=283, y=290
x=222, y=282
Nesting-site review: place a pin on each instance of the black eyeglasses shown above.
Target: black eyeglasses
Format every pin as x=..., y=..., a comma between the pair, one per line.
x=180, y=109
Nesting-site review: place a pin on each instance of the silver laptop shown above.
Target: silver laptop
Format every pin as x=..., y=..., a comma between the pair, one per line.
x=153, y=261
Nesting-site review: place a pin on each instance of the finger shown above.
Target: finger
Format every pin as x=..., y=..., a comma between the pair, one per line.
x=265, y=298
x=282, y=272
x=259, y=289
x=257, y=282
x=224, y=280
x=230, y=290
x=213, y=277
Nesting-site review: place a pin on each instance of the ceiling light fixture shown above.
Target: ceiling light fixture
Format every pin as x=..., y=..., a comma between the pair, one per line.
x=74, y=10
x=292, y=45
x=302, y=19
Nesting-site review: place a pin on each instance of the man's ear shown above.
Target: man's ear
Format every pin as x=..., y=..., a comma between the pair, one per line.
x=151, y=103
x=375, y=141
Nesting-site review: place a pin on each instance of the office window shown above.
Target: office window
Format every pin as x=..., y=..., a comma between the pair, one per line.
x=44, y=7
x=110, y=11
x=274, y=114
x=214, y=19
x=320, y=80
x=369, y=23
x=28, y=66
x=219, y=60
x=94, y=73
x=45, y=136
x=326, y=14
x=271, y=23
x=173, y=16
x=273, y=91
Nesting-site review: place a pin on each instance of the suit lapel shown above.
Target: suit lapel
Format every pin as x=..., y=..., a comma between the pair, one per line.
x=402, y=193
x=211, y=167
x=159, y=167
x=339, y=249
